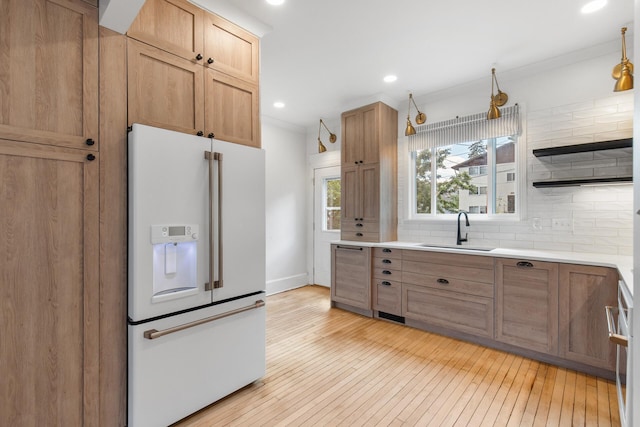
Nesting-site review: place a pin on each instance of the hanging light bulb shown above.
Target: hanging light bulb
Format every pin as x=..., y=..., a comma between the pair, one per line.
x=420, y=117
x=623, y=72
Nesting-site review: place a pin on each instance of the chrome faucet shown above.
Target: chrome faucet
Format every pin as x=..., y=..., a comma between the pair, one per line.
x=466, y=238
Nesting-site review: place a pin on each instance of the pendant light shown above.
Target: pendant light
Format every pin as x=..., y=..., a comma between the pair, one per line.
x=497, y=100
x=623, y=72
x=420, y=117
x=332, y=137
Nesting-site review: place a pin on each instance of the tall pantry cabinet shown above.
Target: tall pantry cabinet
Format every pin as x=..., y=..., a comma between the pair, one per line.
x=201, y=77
x=49, y=213
x=369, y=174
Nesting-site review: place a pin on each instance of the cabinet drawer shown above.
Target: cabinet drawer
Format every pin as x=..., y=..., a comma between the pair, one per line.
x=449, y=284
x=387, y=296
x=473, y=261
x=389, y=253
x=359, y=236
x=451, y=270
x=387, y=263
x=387, y=274
x=361, y=226
x=451, y=310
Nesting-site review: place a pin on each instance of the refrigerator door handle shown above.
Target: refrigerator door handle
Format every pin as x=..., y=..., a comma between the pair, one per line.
x=211, y=157
x=152, y=334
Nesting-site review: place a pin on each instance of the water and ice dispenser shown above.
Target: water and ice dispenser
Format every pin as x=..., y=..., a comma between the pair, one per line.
x=175, y=254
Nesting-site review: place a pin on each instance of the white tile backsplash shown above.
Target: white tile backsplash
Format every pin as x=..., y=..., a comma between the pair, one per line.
x=601, y=217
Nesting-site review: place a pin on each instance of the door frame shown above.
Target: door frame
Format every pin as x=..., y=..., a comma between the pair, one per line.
x=318, y=223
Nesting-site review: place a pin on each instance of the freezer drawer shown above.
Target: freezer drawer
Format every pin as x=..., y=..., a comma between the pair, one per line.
x=176, y=374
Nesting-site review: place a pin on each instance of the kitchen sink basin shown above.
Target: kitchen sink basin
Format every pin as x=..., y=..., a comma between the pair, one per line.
x=462, y=248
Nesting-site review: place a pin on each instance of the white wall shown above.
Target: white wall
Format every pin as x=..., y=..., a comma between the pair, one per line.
x=567, y=104
x=286, y=195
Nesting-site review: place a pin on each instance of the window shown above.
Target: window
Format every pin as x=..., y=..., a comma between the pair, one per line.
x=332, y=192
x=477, y=177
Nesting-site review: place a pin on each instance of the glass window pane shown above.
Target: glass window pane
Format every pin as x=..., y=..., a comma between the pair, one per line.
x=423, y=181
x=461, y=169
x=332, y=191
x=505, y=175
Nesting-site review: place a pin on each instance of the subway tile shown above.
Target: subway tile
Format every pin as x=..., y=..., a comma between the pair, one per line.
x=600, y=163
x=573, y=157
x=572, y=173
x=572, y=124
x=592, y=231
x=593, y=112
x=578, y=106
x=553, y=246
x=597, y=128
x=618, y=134
x=516, y=244
x=616, y=223
x=615, y=117
x=617, y=99
x=613, y=171
x=600, y=249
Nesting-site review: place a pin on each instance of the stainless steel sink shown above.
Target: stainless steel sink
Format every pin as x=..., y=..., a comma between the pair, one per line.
x=461, y=248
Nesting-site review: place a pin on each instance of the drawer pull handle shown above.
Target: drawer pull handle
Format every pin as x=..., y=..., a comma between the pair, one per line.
x=443, y=281
x=386, y=261
x=385, y=283
x=351, y=248
x=614, y=337
x=386, y=250
x=386, y=272
x=359, y=234
x=358, y=225
x=524, y=264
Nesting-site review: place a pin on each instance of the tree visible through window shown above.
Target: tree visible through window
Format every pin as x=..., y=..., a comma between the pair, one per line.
x=332, y=191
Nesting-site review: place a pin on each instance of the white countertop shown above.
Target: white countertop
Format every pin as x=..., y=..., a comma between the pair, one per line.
x=624, y=264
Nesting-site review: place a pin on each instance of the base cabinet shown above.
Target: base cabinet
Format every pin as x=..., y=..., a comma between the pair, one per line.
x=584, y=293
x=351, y=276
x=387, y=287
x=527, y=304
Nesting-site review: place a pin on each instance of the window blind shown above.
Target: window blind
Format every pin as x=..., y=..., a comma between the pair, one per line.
x=465, y=129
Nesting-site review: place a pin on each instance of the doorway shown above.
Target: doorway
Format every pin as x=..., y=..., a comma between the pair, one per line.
x=326, y=220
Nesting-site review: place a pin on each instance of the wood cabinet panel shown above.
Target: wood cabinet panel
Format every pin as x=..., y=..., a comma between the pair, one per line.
x=49, y=301
x=349, y=196
x=451, y=310
x=351, y=275
x=49, y=72
x=232, y=109
x=584, y=292
x=164, y=90
x=450, y=284
x=387, y=263
x=390, y=253
x=453, y=270
x=527, y=304
x=369, y=177
x=472, y=261
x=230, y=49
x=175, y=26
x=387, y=296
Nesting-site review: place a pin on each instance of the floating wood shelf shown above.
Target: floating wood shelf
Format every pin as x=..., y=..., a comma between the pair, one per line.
x=583, y=148
x=583, y=181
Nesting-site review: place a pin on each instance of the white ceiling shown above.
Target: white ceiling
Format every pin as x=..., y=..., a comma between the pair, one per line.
x=319, y=57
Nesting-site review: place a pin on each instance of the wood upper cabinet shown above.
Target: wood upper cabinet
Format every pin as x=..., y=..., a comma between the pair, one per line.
x=231, y=49
x=49, y=72
x=527, y=304
x=584, y=293
x=351, y=275
x=232, y=109
x=49, y=292
x=175, y=26
x=164, y=90
x=369, y=174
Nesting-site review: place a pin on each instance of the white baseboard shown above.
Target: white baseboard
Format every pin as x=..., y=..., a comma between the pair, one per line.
x=286, y=283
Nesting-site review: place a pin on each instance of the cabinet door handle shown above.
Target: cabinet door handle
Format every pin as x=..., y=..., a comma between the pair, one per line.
x=386, y=272
x=89, y=141
x=386, y=250
x=385, y=283
x=358, y=225
x=359, y=234
x=210, y=61
x=386, y=261
x=91, y=157
x=356, y=162
x=200, y=133
x=351, y=248
x=211, y=135
x=524, y=264
x=443, y=281
x=198, y=57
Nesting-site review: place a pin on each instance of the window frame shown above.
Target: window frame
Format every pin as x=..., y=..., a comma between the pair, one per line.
x=326, y=208
x=491, y=216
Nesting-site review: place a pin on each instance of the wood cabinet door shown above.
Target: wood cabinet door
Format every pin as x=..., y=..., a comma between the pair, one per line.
x=584, y=293
x=49, y=72
x=175, y=26
x=164, y=90
x=231, y=49
x=351, y=275
x=369, y=191
x=370, y=134
x=350, y=210
x=232, y=109
x=360, y=133
x=527, y=304
x=49, y=291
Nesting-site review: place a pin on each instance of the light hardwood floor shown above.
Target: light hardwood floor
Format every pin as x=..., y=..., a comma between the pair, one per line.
x=329, y=367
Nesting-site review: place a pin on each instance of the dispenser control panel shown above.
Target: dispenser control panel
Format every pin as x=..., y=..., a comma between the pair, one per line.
x=174, y=233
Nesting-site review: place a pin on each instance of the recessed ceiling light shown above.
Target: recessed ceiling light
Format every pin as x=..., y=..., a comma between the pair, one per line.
x=390, y=78
x=278, y=104
x=593, y=6
x=275, y=2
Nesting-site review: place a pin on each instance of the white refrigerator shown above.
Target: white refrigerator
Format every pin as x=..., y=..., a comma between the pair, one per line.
x=196, y=281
